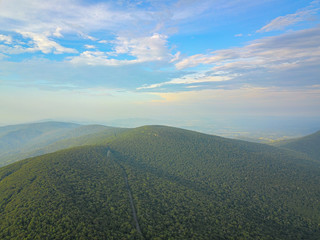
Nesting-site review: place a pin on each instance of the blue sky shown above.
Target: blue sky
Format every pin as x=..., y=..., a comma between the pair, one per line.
x=180, y=61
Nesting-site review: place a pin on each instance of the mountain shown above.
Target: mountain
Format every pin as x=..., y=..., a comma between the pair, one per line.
x=73, y=194
x=27, y=140
x=157, y=182
x=309, y=145
x=17, y=136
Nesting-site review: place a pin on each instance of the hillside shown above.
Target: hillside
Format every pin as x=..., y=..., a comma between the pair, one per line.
x=309, y=145
x=28, y=140
x=74, y=194
x=184, y=185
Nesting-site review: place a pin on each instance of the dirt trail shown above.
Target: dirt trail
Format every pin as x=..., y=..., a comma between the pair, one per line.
x=134, y=214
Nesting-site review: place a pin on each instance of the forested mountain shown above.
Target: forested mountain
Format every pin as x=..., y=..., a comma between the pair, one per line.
x=27, y=140
x=72, y=194
x=184, y=185
x=309, y=145
x=16, y=136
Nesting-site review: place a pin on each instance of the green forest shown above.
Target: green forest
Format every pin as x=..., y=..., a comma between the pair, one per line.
x=184, y=185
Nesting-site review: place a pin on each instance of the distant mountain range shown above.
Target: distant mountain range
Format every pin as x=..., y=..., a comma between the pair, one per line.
x=155, y=182
x=18, y=142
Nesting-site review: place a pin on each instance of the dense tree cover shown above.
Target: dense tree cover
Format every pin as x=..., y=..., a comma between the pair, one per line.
x=185, y=185
x=199, y=186
x=73, y=194
x=309, y=145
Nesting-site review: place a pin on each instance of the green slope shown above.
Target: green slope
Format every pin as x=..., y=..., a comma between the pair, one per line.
x=184, y=185
x=211, y=186
x=309, y=145
x=72, y=194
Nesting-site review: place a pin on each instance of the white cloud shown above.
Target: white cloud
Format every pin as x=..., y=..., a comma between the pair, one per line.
x=197, y=59
x=133, y=26
x=15, y=49
x=36, y=42
x=57, y=33
x=282, y=22
x=117, y=18
x=143, y=49
x=43, y=44
x=86, y=36
x=6, y=39
x=36, y=15
x=87, y=46
x=41, y=20
x=176, y=57
x=70, y=16
x=96, y=58
x=152, y=48
x=291, y=59
x=294, y=47
x=238, y=35
x=189, y=79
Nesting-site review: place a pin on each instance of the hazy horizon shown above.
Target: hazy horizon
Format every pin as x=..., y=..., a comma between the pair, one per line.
x=212, y=66
x=262, y=129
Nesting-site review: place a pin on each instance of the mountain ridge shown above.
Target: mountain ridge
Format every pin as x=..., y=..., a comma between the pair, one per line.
x=185, y=185
x=27, y=140
x=308, y=145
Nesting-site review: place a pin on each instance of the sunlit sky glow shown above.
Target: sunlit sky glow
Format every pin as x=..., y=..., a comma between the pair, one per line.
x=97, y=61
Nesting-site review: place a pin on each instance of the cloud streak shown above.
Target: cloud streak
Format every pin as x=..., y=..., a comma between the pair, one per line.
x=189, y=79
x=282, y=22
x=270, y=58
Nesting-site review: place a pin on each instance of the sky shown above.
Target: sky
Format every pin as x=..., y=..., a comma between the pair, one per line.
x=212, y=64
